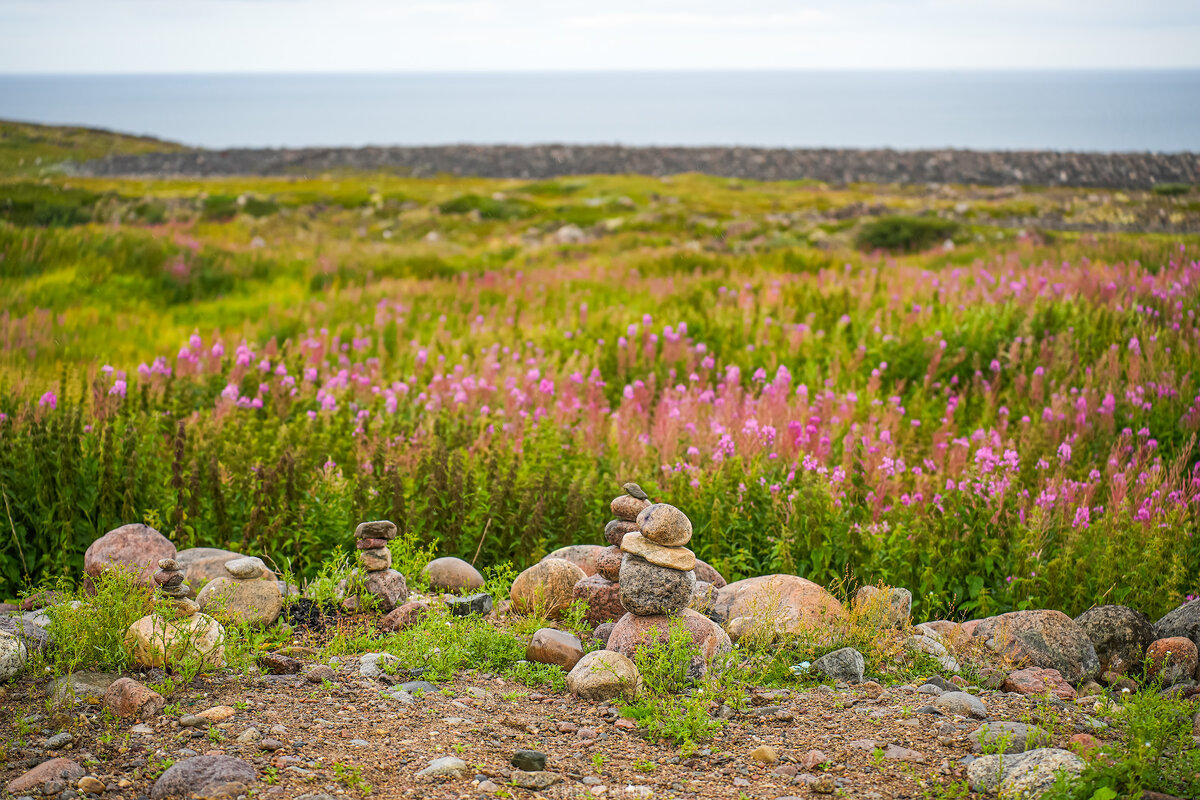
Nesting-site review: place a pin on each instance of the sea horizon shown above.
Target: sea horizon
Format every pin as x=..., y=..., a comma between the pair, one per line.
x=1084, y=110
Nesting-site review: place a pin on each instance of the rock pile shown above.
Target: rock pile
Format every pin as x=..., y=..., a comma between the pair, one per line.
x=602, y=591
x=656, y=583
x=382, y=582
x=170, y=581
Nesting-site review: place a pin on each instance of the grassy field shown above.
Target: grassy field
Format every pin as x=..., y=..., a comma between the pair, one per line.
x=934, y=387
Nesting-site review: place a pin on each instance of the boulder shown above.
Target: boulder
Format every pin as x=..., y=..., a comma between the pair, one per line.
x=128, y=699
x=378, y=529
x=1038, y=681
x=388, y=587
x=844, y=665
x=1026, y=775
x=581, y=555
x=1182, y=621
x=708, y=574
x=786, y=602
x=13, y=655
x=450, y=574
x=885, y=606
x=604, y=675
x=633, y=632
x=246, y=568
x=157, y=641
x=1119, y=634
x=135, y=548
x=250, y=602
x=192, y=776
x=1014, y=737
x=603, y=632
x=679, y=558
x=1043, y=638
x=548, y=586
x=1173, y=660
x=603, y=598
x=56, y=770
x=608, y=563
x=650, y=590
x=664, y=524
x=33, y=636
x=962, y=704
x=551, y=646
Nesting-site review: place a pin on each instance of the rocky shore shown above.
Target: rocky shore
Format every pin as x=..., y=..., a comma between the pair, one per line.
x=839, y=166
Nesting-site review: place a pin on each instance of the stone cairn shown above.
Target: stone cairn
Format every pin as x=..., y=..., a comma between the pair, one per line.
x=383, y=582
x=602, y=591
x=169, y=580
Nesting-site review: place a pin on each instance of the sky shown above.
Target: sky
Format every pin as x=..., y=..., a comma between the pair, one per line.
x=207, y=36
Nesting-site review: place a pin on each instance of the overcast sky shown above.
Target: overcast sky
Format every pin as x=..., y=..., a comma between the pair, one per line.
x=86, y=36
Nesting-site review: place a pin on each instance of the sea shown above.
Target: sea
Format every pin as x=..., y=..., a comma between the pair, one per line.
x=1082, y=110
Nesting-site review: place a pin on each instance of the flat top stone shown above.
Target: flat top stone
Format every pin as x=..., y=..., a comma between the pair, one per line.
x=376, y=529
x=245, y=568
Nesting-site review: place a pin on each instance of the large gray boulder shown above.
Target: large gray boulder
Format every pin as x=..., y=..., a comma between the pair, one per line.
x=1046, y=638
x=1119, y=634
x=1183, y=621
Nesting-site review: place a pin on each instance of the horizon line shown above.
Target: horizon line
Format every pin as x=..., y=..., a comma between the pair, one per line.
x=601, y=71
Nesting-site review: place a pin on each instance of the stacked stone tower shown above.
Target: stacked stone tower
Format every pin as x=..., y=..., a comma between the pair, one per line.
x=383, y=582
x=602, y=591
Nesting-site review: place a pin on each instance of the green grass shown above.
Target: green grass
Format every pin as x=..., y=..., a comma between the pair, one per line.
x=30, y=149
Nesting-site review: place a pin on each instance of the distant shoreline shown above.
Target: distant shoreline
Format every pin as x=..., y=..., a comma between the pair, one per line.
x=536, y=162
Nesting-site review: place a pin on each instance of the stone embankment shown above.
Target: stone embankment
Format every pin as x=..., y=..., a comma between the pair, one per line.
x=839, y=166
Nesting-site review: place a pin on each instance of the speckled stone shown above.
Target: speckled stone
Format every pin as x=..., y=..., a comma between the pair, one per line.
x=647, y=589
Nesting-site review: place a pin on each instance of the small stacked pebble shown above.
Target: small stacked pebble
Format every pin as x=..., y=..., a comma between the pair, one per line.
x=385, y=583
x=169, y=580
x=602, y=591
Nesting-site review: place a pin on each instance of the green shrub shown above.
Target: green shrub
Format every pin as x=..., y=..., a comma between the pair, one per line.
x=905, y=234
x=88, y=630
x=488, y=208
x=45, y=205
x=1171, y=189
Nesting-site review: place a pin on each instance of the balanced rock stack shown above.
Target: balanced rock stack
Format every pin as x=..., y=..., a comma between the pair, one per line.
x=383, y=582
x=241, y=595
x=602, y=591
x=169, y=580
x=657, y=581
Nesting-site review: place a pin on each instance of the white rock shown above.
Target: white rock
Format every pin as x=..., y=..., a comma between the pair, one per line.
x=13, y=655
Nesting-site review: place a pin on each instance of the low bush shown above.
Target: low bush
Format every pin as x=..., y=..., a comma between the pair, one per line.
x=905, y=234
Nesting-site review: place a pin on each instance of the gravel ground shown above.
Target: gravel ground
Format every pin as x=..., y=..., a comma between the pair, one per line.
x=1041, y=168
x=354, y=724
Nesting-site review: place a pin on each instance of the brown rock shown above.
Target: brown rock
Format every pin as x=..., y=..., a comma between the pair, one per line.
x=379, y=529
x=1119, y=634
x=628, y=508
x=370, y=544
x=603, y=675
x=404, y=616
x=603, y=631
x=1037, y=681
x=705, y=572
x=1172, y=659
x=1043, y=638
x=157, y=641
x=279, y=664
x=665, y=524
x=251, y=602
x=1084, y=744
x=603, y=598
x=608, y=562
x=551, y=646
x=615, y=530
x=548, y=587
x=134, y=548
x=450, y=574
x=375, y=559
x=126, y=698
x=649, y=590
x=56, y=769
x=792, y=603
x=581, y=555
x=204, y=564
x=632, y=632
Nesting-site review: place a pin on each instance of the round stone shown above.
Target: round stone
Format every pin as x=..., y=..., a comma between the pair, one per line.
x=634, y=632
x=168, y=577
x=581, y=555
x=192, y=776
x=679, y=558
x=404, y=616
x=604, y=675
x=375, y=560
x=246, y=568
x=608, y=562
x=548, y=587
x=249, y=602
x=388, y=587
x=157, y=641
x=450, y=574
x=1119, y=634
x=13, y=655
x=786, y=603
x=551, y=646
x=628, y=508
x=665, y=524
x=706, y=573
x=1173, y=659
x=602, y=596
x=168, y=564
x=647, y=589
x=1042, y=638
x=615, y=530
